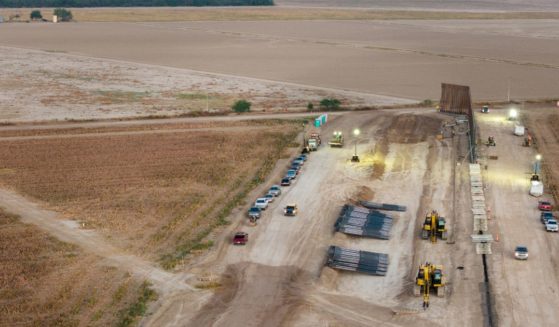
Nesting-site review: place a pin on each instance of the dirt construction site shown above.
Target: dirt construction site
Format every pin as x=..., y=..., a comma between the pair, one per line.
x=125, y=177
x=280, y=277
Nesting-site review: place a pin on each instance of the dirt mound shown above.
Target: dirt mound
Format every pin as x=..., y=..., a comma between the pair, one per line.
x=410, y=128
x=365, y=194
x=265, y=294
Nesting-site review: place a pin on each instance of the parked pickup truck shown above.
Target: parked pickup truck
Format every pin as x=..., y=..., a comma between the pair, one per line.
x=240, y=238
x=521, y=252
x=551, y=225
x=298, y=161
x=291, y=174
x=545, y=216
x=270, y=197
x=275, y=190
x=254, y=212
x=545, y=206
x=261, y=203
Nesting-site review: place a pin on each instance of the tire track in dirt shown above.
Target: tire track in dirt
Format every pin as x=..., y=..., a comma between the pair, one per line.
x=70, y=232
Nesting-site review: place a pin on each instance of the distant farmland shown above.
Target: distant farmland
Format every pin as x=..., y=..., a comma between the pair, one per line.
x=130, y=3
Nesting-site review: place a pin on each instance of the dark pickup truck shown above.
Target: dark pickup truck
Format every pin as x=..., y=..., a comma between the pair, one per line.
x=240, y=238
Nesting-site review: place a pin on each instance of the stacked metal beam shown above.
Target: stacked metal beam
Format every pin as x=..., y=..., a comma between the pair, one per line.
x=364, y=222
x=371, y=263
x=382, y=206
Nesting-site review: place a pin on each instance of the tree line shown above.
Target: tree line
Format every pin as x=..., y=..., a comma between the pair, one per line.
x=130, y=3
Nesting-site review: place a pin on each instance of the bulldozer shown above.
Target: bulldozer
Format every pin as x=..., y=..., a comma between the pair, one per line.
x=429, y=277
x=434, y=227
x=337, y=140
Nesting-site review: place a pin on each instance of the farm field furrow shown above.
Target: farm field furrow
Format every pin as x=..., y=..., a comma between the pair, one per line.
x=400, y=60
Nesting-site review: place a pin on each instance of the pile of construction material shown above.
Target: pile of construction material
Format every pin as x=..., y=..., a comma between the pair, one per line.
x=479, y=211
x=382, y=206
x=364, y=222
x=370, y=263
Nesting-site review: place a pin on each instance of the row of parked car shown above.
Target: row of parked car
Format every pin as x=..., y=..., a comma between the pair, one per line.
x=261, y=204
x=550, y=223
x=547, y=217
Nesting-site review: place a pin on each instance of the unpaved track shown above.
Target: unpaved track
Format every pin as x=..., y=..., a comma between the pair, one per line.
x=69, y=231
x=526, y=292
x=126, y=133
x=139, y=122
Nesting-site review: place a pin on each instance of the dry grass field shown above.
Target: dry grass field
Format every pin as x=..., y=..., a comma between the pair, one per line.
x=80, y=88
x=45, y=282
x=155, y=193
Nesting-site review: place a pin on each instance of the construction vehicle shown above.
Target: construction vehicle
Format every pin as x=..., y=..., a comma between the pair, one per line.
x=434, y=227
x=429, y=277
x=337, y=140
x=485, y=109
x=314, y=142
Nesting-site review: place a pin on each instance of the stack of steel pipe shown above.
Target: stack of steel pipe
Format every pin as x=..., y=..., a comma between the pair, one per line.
x=371, y=263
x=382, y=206
x=364, y=222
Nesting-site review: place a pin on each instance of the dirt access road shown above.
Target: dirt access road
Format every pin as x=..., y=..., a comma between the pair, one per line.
x=525, y=292
x=279, y=277
x=71, y=232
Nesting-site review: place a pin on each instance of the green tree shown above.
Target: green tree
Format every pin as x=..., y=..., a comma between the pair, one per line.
x=241, y=106
x=310, y=106
x=36, y=14
x=63, y=15
x=330, y=104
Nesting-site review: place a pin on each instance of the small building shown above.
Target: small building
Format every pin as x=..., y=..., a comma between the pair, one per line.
x=54, y=19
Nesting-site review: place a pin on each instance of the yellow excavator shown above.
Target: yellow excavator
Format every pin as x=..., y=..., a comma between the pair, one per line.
x=429, y=277
x=434, y=227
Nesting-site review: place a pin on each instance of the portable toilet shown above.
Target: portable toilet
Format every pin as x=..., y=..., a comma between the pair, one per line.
x=323, y=119
x=317, y=122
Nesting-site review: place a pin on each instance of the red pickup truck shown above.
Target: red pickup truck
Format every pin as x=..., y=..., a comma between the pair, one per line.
x=545, y=206
x=240, y=238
